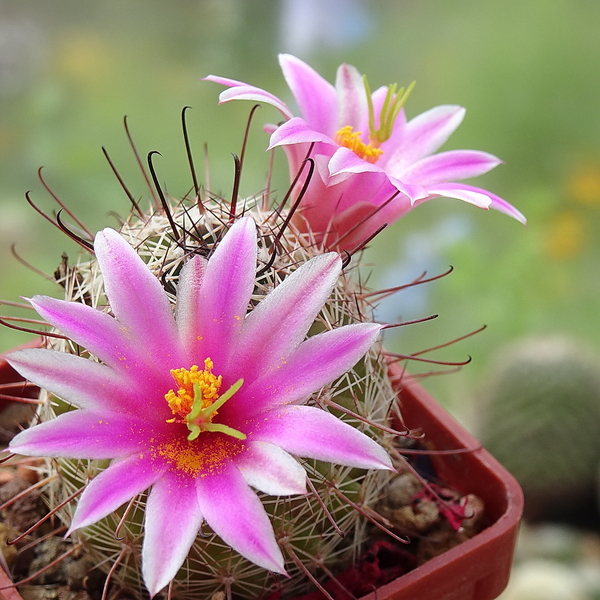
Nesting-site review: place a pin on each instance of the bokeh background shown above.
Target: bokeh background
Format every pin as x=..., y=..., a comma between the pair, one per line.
x=527, y=71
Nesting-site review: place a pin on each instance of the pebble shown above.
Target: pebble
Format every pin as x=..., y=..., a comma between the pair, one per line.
x=555, y=562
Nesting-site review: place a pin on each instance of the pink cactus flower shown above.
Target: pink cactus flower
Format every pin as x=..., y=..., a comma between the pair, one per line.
x=200, y=404
x=372, y=166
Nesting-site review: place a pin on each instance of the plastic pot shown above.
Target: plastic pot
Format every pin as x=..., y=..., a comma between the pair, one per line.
x=11, y=383
x=479, y=568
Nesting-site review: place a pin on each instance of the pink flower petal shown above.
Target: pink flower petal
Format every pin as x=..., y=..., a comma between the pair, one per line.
x=412, y=191
x=291, y=308
x=85, y=434
x=237, y=516
x=249, y=92
x=367, y=187
x=351, y=97
x=138, y=300
x=316, y=97
x=298, y=131
x=424, y=134
x=272, y=470
x=449, y=166
x=344, y=161
x=223, y=298
x=112, y=488
x=104, y=337
x=317, y=361
x=171, y=525
x=476, y=196
x=224, y=81
x=80, y=381
x=314, y=433
x=189, y=320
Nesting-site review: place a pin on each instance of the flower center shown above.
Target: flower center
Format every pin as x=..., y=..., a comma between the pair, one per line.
x=182, y=401
x=351, y=139
x=393, y=102
x=197, y=400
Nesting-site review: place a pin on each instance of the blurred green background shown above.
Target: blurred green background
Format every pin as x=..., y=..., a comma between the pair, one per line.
x=528, y=73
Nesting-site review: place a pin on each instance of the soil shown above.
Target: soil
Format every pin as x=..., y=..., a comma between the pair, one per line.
x=433, y=519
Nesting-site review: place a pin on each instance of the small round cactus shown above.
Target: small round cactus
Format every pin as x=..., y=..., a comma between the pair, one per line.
x=541, y=420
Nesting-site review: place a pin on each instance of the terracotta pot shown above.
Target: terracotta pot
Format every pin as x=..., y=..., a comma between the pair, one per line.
x=7, y=593
x=14, y=387
x=477, y=569
x=12, y=381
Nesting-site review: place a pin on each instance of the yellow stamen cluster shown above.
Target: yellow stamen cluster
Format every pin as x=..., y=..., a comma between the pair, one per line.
x=182, y=401
x=197, y=400
x=351, y=139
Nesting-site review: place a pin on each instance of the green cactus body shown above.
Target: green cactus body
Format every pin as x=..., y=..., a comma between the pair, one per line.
x=541, y=420
x=304, y=525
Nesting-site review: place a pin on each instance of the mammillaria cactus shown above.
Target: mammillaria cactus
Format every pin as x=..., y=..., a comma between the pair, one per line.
x=206, y=348
x=256, y=361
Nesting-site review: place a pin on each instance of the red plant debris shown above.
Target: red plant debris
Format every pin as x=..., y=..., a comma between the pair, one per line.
x=450, y=506
x=383, y=562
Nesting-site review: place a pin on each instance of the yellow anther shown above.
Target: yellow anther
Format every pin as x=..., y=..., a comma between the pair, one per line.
x=197, y=400
x=181, y=401
x=351, y=139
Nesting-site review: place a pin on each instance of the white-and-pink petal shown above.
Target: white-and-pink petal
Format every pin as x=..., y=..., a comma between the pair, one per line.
x=477, y=196
x=171, y=524
x=314, y=433
x=113, y=487
x=269, y=469
x=315, y=96
x=85, y=434
x=237, y=516
x=79, y=381
x=351, y=97
x=446, y=166
x=345, y=162
x=315, y=363
x=223, y=297
x=298, y=131
x=291, y=307
x=239, y=90
x=138, y=300
x=424, y=134
x=189, y=320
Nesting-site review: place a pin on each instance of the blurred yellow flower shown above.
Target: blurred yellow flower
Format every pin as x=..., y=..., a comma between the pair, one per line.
x=565, y=235
x=85, y=59
x=584, y=184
